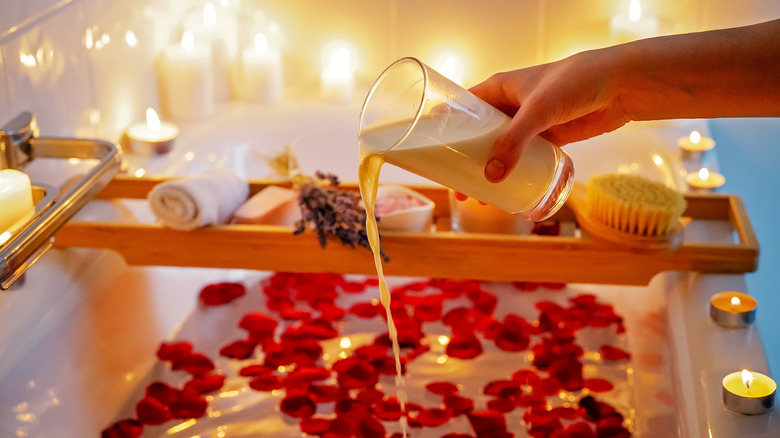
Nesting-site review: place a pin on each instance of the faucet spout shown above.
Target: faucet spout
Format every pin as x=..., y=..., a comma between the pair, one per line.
x=15, y=139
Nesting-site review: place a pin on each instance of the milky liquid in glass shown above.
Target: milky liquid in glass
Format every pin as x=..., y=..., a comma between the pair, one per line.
x=456, y=157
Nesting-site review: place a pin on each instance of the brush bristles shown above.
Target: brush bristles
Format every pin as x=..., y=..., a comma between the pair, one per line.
x=634, y=204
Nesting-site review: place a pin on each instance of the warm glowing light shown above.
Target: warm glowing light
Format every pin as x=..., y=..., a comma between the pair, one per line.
x=443, y=340
x=343, y=355
x=188, y=40
x=747, y=378
x=27, y=59
x=340, y=62
x=635, y=11
x=261, y=43
x=209, y=14
x=4, y=237
x=657, y=159
x=89, y=39
x=704, y=174
x=735, y=302
x=152, y=120
x=345, y=343
x=181, y=426
x=139, y=172
x=441, y=360
x=695, y=137
x=452, y=67
x=131, y=39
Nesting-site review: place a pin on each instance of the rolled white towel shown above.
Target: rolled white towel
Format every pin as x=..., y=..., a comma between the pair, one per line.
x=206, y=199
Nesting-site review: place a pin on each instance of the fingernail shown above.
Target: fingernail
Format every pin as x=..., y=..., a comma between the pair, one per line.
x=495, y=170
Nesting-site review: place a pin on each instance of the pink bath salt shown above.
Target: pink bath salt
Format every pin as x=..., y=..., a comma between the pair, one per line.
x=271, y=206
x=395, y=202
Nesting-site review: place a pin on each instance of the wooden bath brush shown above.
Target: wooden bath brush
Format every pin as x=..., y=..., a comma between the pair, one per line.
x=629, y=210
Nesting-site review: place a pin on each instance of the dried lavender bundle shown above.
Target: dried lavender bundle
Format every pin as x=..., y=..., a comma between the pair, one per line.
x=332, y=212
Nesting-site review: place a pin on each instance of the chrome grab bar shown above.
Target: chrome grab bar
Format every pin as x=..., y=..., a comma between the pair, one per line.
x=20, y=145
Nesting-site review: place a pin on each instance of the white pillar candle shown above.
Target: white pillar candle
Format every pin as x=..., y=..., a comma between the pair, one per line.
x=186, y=80
x=153, y=136
x=337, y=77
x=262, y=71
x=16, y=201
x=217, y=30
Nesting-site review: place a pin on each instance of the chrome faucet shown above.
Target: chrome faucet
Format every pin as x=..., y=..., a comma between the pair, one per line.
x=19, y=145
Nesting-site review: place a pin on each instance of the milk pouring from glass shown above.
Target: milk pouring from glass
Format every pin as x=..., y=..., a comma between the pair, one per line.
x=418, y=120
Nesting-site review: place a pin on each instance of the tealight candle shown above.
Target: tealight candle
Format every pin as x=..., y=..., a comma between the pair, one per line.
x=733, y=309
x=152, y=137
x=16, y=199
x=338, y=76
x=705, y=179
x=695, y=142
x=749, y=393
x=186, y=80
x=262, y=71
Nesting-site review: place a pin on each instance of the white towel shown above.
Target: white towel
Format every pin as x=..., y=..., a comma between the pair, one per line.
x=189, y=203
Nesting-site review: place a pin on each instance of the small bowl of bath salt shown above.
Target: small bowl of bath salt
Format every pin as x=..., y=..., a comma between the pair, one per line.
x=402, y=209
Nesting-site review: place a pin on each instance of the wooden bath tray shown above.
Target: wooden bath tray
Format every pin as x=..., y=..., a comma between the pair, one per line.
x=442, y=253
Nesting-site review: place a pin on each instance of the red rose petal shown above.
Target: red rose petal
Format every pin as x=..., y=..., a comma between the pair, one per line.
x=488, y=423
x=547, y=386
x=370, y=427
x=457, y=435
x=388, y=410
x=162, y=392
x=612, y=431
x=152, y=411
x=525, y=377
x=174, y=350
x=258, y=324
x=298, y=406
x=579, y=430
x=464, y=347
x=306, y=375
x=240, y=349
x=366, y=310
x=568, y=371
x=609, y=352
x=189, y=406
x=205, y=384
x=221, y=293
x=265, y=382
x=255, y=370
x=502, y=388
x=501, y=405
x=129, y=428
x=353, y=287
x=196, y=364
x=370, y=396
x=567, y=413
x=351, y=409
x=433, y=417
x=598, y=385
x=458, y=405
x=484, y=302
x=442, y=388
x=314, y=425
x=355, y=373
x=511, y=338
x=326, y=393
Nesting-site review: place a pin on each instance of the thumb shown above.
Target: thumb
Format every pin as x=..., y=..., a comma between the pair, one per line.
x=510, y=144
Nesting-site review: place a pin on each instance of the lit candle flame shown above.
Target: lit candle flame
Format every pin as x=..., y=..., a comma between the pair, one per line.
x=152, y=120
x=261, y=43
x=188, y=41
x=634, y=11
x=340, y=62
x=209, y=14
x=704, y=174
x=695, y=137
x=747, y=378
x=735, y=302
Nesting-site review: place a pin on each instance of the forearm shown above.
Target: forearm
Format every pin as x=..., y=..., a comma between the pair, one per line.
x=724, y=73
